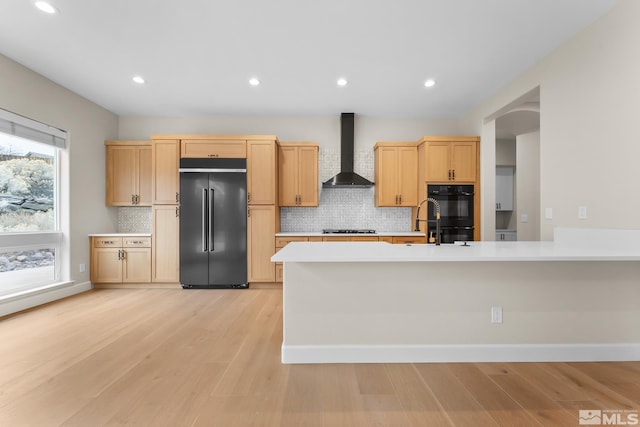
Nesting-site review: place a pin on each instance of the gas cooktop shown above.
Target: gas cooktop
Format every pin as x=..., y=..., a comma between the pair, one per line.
x=347, y=231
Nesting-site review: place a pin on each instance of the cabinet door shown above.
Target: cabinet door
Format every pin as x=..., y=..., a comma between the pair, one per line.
x=166, y=244
x=288, y=176
x=386, y=176
x=106, y=266
x=214, y=148
x=504, y=188
x=261, y=172
x=121, y=176
x=407, y=171
x=136, y=265
x=438, y=163
x=144, y=176
x=463, y=161
x=307, y=176
x=166, y=178
x=261, y=229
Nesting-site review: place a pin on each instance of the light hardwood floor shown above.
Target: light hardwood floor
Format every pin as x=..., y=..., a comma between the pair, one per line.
x=171, y=357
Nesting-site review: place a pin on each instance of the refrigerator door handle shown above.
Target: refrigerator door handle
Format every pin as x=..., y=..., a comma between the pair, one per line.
x=211, y=219
x=205, y=215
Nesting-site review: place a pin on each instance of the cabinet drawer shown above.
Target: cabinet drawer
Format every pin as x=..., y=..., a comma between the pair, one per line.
x=136, y=242
x=364, y=238
x=281, y=242
x=279, y=272
x=388, y=239
x=409, y=240
x=107, y=242
x=207, y=148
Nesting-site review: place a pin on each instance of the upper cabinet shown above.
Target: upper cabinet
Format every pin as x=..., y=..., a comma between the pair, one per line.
x=262, y=176
x=298, y=174
x=128, y=173
x=223, y=148
x=451, y=158
x=166, y=178
x=504, y=188
x=396, y=174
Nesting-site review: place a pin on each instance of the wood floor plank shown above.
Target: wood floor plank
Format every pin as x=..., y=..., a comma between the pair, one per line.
x=553, y=387
x=495, y=401
x=460, y=405
x=373, y=379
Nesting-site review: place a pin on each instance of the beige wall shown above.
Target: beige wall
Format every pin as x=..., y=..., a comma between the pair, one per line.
x=324, y=130
x=527, y=186
x=29, y=94
x=589, y=143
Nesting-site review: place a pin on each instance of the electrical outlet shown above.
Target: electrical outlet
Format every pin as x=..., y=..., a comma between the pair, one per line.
x=548, y=213
x=496, y=314
x=83, y=268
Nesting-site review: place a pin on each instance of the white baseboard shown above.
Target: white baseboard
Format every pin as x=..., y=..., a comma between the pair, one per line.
x=29, y=299
x=293, y=354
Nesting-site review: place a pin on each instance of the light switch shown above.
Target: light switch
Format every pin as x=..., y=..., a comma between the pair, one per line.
x=582, y=212
x=548, y=213
x=524, y=218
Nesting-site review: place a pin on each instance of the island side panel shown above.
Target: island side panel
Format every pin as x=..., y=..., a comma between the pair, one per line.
x=399, y=312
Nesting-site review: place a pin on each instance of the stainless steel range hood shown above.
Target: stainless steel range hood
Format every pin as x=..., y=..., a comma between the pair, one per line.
x=347, y=178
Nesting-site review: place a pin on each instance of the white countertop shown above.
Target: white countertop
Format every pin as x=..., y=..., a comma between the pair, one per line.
x=476, y=251
x=320, y=233
x=120, y=235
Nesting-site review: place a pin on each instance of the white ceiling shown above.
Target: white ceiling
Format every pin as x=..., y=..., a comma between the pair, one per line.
x=198, y=55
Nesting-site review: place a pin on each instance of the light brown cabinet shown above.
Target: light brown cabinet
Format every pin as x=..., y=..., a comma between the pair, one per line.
x=166, y=244
x=298, y=174
x=116, y=260
x=165, y=167
x=129, y=173
x=262, y=175
x=396, y=174
x=449, y=159
x=262, y=224
x=202, y=148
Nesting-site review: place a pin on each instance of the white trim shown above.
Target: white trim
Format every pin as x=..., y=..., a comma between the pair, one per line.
x=292, y=354
x=32, y=298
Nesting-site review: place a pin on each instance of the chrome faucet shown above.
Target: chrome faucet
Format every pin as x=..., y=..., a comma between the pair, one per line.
x=436, y=208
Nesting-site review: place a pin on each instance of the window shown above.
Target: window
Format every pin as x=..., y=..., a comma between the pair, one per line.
x=30, y=236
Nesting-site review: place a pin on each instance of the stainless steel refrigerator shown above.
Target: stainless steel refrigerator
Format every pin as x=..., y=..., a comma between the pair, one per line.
x=213, y=223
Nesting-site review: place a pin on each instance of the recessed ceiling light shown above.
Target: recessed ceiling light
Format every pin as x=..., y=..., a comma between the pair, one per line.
x=46, y=7
x=254, y=82
x=138, y=79
x=430, y=83
x=342, y=82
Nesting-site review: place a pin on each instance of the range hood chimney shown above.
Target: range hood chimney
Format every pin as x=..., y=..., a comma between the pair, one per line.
x=347, y=178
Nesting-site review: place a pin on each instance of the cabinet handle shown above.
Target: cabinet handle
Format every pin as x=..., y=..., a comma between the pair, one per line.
x=124, y=255
x=400, y=199
x=454, y=174
x=133, y=199
x=177, y=197
x=213, y=155
x=248, y=212
x=119, y=254
x=177, y=211
x=248, y=197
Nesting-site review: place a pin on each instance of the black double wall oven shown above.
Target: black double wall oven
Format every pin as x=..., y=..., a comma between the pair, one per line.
x=456, y=212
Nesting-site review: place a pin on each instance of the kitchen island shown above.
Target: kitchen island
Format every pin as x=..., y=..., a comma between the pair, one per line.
x=574, y=299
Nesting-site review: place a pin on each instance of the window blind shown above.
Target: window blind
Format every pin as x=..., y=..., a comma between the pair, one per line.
x=24, y=127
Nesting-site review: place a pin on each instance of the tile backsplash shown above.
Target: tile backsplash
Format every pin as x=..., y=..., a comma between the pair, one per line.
x=345, y=208
x=134, y=219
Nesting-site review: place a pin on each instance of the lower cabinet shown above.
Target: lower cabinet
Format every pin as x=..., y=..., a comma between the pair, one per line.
x=120, y=260
x=165, y=265
x=261, y=230
x=506, y=235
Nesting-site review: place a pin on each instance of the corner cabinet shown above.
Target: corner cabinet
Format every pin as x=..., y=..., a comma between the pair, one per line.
x=451, y=159
x=120, y=260
x=298, y=176
x=128, y=173
x=396, y=174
